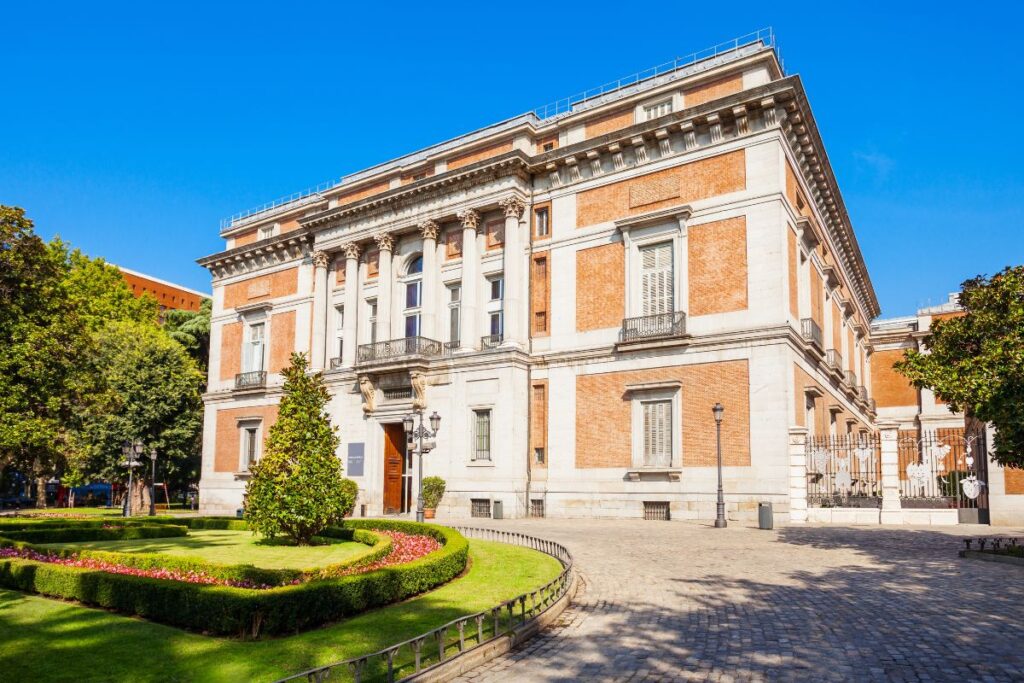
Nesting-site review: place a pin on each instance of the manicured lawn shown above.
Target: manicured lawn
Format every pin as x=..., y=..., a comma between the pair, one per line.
x=42, y=639
x=232, y=547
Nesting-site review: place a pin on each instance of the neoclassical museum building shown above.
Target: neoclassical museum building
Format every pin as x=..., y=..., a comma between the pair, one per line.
x=572, y=290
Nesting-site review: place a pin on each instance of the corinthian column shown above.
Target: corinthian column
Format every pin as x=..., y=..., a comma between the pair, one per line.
x=470, y=274
x=515, y=326
x=385, y=284
x=317, y=354
x=428, y=297
x=348, y=349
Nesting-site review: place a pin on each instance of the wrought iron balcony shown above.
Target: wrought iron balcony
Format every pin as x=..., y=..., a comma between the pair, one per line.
x=834, y=359
x=256, y=379
x=650, y=327
x=451, y=347
x=491, y=341
x=336, y=363
x=406, y=348
x=811, y=332
x=850, y=378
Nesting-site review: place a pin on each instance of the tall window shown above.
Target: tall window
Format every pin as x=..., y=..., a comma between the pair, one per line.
x=542, y=221
x=267, y=231
x=254, y=348
x=809, y=416
x=454, y=312
x=657, y=430
x=250, y=438
x=656, y=286
x=495, y=317
x=482, y=434
x=339, y=329
x=413, y=296
x=653, y=111
x=372, y=318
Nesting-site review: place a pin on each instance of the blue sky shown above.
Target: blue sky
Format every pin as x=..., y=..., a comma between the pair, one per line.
x=132, y=129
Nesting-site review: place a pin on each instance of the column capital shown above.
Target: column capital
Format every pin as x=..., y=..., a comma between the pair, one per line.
x=513, y=206
x=321, y=259
x=429, y=229
x=470, y=218
x=385, y=241
x=352, y=250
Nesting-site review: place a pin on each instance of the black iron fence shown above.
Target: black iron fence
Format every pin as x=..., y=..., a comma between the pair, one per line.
x=461, y=635
x=397, y=349
x=660, y=326
x=251, y=380
x=491, y=341
x=844, y=471
x=946, y=468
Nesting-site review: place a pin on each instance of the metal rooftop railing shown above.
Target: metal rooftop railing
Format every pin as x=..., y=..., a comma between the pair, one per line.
x=761, y=38
x=695, y=62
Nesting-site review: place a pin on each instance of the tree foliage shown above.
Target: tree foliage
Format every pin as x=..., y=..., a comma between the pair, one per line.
x=296, y=487
x=191, y=329
x=975, y=362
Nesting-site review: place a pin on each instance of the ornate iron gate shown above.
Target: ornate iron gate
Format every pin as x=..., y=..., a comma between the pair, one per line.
x=946, y=468
x=844, y=471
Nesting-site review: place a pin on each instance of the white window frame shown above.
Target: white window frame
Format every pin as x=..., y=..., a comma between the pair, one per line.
x=671, y=229
x=371, y=320
x=500, y=279
x=454, y=309
x=637, y=400
x=673, y=99
x=267, y=231
x=412, y=279
x=537, y=223
x=246, y=460
x=655, y=110
x=339, y=329
x=248, y=355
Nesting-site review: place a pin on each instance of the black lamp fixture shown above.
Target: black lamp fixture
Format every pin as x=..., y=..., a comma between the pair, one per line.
x=420, y=435
x=720, y=522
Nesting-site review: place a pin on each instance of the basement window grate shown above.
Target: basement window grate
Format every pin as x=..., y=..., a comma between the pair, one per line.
x=536, y=507
x=397, y=393
x=480, y=507
x=656, y=510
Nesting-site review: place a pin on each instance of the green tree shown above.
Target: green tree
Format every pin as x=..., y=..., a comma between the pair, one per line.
x=191, y=329
x=296, y=487
x=152, y=389
x=975, y=362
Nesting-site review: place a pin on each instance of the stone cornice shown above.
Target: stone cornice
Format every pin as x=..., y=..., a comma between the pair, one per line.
x=271, y=251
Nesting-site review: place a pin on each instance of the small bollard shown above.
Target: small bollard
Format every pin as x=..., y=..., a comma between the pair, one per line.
x=765, y=518
x=967, y=542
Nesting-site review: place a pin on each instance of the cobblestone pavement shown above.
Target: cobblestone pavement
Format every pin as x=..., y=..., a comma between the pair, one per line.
x=679, y=601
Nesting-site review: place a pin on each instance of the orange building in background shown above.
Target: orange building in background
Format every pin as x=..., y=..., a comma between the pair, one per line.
x=167, y=294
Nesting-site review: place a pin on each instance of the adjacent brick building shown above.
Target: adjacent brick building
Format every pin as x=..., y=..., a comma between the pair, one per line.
x=572, y=290
x=167, y=294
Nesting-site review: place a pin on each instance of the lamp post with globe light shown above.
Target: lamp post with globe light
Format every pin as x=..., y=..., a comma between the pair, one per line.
x=720, y=522
x=423, y=434
x=132, y=451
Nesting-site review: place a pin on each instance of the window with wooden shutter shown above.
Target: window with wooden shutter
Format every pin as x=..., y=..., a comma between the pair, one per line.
x=657, y=433
x=656, y=284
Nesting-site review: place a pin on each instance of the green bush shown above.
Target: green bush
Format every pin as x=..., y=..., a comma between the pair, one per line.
x=351, y=490
x=82, y=534
x=433, y=492
x=244, y=612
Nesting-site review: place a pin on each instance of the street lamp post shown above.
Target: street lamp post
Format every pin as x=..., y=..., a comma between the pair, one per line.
x=152, y=484
x=422, y=434
x=720, y=522
x=131, y=450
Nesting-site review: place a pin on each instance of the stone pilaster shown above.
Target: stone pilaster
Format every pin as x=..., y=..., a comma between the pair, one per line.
x=797, y=475
x=321, y=260
x=515, y=325
x=892, y=510
x=352, y=286
x=468, y=336
x=428, y=297
x=385, y=284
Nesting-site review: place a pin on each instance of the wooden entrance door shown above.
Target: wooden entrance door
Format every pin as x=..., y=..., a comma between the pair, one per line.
x=394, y=465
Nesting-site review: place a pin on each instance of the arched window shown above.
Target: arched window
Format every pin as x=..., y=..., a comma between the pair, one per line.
x=413, y=295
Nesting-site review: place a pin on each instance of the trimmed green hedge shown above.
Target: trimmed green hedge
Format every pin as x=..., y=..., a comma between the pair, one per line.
x=71, y=535
x=244, y=612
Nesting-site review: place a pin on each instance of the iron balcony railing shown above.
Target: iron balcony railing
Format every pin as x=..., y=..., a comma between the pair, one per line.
x=834, y=359
x=491, y=341
x=336, y=363
x=850, y=378
x=251, y=380
x=811, y=332
x=862, y=394
x=398, y=349
x=660, y=326
x=451, y=347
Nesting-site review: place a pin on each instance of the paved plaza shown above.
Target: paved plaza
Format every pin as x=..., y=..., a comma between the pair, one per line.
x=681, y=601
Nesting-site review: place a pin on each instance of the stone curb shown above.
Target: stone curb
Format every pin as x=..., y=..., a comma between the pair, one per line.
x=992, y=557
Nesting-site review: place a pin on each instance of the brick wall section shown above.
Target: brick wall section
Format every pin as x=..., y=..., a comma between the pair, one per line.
x=168, y=296
x=230, y=350
x=339, y=271
x=453, y=244
x=282, y=341
x=372, y=263
x=889, y=388
x=600, y=287
x=539, y=421
x=540, y=295
x=228, y=449
x=817, y=298
x=494, y=235
x=479, y=155
x=669, y=187
x=533, y=221
x=262, y=288
x=601, y=399
x=712, y=91
x=365, y=192
x=244, y=238
x=609, y=123
x=1014, y=480
x=851, y=360
x=802, y=380
x=541, y=142
x=794, y=276
x=718, y=266
x=837, y=326
x=288, y=226
x=793, y=193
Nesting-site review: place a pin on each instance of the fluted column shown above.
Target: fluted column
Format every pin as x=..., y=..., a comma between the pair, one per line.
x=470, y=274
x=321, y=259
x=512, y=306
x=428, y=297
x=385, y=285
x=348, y=350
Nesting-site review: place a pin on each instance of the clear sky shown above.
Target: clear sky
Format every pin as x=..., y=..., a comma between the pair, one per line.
x=132, y=129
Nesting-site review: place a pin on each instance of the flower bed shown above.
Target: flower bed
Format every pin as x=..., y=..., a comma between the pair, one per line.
x=179, y=592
